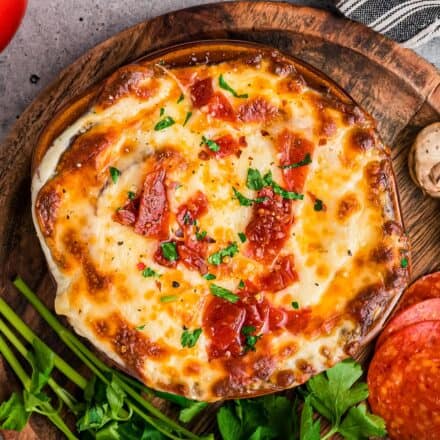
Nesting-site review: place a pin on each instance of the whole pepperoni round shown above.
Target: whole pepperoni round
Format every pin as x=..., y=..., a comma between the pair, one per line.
x=426, y=287
x=404, y=382
x=428, y=310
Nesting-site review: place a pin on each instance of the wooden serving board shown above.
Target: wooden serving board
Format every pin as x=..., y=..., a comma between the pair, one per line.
x=401, y=90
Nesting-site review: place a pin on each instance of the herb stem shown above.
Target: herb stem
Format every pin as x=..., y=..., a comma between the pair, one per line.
x=61, y=393
x=14, y=363
x=30, y=336
x=330, y=433
x=48, y=410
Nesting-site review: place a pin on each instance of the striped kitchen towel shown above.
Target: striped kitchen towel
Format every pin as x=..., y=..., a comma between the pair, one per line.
x=411, y=22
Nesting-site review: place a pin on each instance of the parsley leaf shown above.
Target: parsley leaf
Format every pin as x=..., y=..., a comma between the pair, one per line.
x=244, y=201
x=114, y=174
x=241, y=284
x=334, y=392
x=277, y=189
x=189, y=339
x=188, y=115
x=166, y=122
x=148, y=272
x=221, y=292
x=295, y=305
x=201, y=235
x=217, y=257
x=228, y=424
x=318, y=206
x=242, y=237
x=306, y=161
x=404, y=263
x=251, y=339
x=254, y=180
x=225, y=86
x=169, y=251
x=162, y=111
x=212, y=145
x=141, y=327
x=181, y=98
x=168, y=298
x=359, y=424
x=42, y=361
x=309, y=429
x=187, y=414
x=12, y=413
x=131, y=195
x=209, y=276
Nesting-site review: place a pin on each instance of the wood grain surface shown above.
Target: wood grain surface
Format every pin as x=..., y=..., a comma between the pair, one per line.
x=401, y=90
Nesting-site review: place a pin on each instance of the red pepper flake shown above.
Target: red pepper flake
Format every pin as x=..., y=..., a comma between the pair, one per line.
x=140, y=266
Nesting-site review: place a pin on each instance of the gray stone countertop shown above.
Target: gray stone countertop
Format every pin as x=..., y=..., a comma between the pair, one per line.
x=56, y=32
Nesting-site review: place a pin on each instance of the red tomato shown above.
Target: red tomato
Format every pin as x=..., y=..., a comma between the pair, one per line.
x=11, y=13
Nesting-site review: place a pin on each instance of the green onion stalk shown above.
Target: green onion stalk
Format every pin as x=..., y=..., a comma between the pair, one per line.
x=134, y=401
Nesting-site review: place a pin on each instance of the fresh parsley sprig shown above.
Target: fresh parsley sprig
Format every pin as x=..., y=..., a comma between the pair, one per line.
x=217, y=257
x=336, y=394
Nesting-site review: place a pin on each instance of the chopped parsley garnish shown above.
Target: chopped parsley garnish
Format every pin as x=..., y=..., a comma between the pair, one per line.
x=140, y=327
x=188, y=115
x=148, y=272
x=254, y=180
x=201, y=235
x=187, y=220
x=169, y=251
x=175, y=284
x=181, y=98
x=212, y=145
x=306, y=161
x=221, y=292
x=189, y=339
x=318, y=206
x=277, y=189
x=114, y=173
x=241, y=284
x=225, y=86
x=295, y=305
x=168, y=298
x=162, y=111
x=166, y=122
x=209, y=276
x=250, y=338
x=217, y=257
x=131, y=195
x=242, y=237
x=244, y=201
x=404, y=263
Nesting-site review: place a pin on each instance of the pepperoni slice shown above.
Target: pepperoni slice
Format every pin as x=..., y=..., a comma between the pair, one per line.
x=192, y=252
x=257, y=110
x=228, y=146
x=152, y=220
x=192, y=258
x=269, y=226
x=219, y=107
x=283, y=274
x=223, y=321
x=190, y=211
x=428, y=310
x=293, y=149
x=426, y=287
x=128, y=213
x=404, y=382
x=201, y=92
